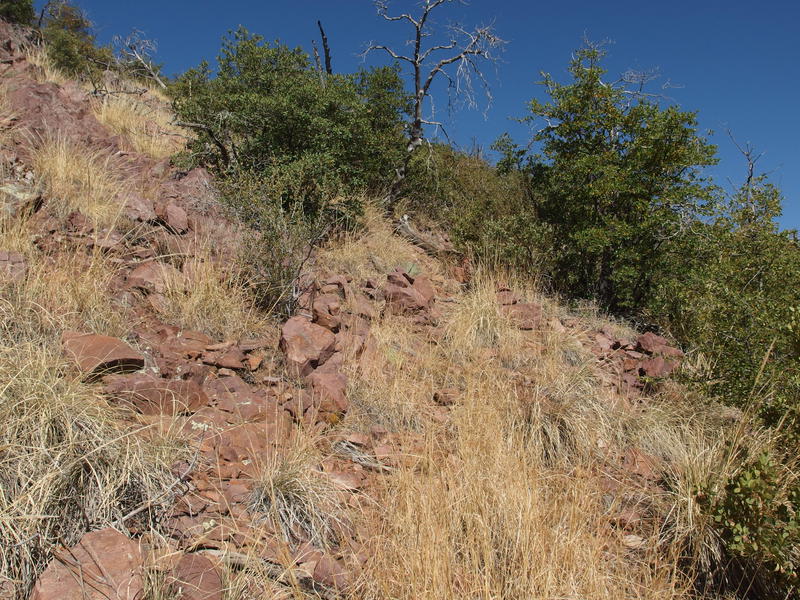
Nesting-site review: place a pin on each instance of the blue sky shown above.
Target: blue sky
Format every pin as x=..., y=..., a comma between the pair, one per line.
x=736, y=62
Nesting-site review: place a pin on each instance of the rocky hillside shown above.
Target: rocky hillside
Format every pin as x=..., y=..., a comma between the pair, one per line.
x=414, y=431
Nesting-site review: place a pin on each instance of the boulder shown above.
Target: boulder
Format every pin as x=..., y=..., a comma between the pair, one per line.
x=97, y=355
x=153, y=395
x=104, y=565
x=655, y=344
x=404, y=299
x=306, y=345
x=331, y=572
x=657, y=367
x=138, y=208
x=329, y=390
x=196, y=578
x=230, y=358
x=423, y=285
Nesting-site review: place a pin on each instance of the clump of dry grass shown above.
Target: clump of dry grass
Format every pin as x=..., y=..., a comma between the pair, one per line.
x=298, y=500
x=77, y=178
x=143, y=121
x=209, y=298
x=66, y=466
x=373, y=251
x=47, y=72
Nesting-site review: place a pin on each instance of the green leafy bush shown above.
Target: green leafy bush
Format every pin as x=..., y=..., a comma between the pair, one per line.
x=265, y=105
x=17, y=11
x=70, y=43
x=756, y=516
x=617, y=177
x=735, y=301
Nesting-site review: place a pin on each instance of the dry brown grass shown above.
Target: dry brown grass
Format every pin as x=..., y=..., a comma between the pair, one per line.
x=66, y=465
x=374, y=251
x=47, y=71
x=506, y=499
x=77, y=178
x=296, y=498
x=207, y=297
x=144, y=121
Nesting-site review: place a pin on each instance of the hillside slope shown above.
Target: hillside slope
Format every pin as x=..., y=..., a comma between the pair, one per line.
x=413, y=432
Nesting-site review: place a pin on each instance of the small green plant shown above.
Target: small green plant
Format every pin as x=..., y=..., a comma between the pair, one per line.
x=755, y=515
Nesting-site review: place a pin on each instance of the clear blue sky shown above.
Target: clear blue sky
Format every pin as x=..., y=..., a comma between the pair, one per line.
x=737, y=62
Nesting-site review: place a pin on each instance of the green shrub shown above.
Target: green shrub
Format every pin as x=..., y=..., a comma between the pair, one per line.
x=617, y=178
x=265, y=105
x=280, y=229
x=18, y=11
x=70, y=43
x=488, y=211
x=734, y=301
x=755, y=514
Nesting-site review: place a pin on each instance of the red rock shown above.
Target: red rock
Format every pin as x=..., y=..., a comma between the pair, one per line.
x=506, y=298
x=140, y=209
x=423, y=285
x=173, y=217
x=254, y=361
x=657, y=367
x=638, y=463
x=331, y=572
x=104, y=565
x=232, y=358
x=461, y=275
x=404, y=299
x=362, y=307
x=651, y=343
x=12, y=266
x=349, y=343
x=399, y=278
x=306, y=345
x=326, y=311
x=524, y=315
x=196, y=578
x=153, y=276
x=347, y=480
x=153, y=395
x=329, y=391
x=97, y=355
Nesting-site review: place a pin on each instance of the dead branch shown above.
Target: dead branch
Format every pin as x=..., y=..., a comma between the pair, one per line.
x=427, y=242
x=326, y=49
x=135, y=48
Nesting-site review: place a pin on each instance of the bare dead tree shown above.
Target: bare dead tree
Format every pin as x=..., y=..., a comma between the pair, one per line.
x=138, y=50
x=457, y=58
x=749, y=154
x=326, y=49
